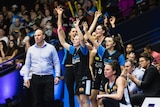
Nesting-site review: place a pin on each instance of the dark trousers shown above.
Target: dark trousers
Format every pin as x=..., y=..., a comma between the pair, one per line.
x=27, y=97
x=108, y=102
x=137, y=99
x=42, y=90
x=69, y=79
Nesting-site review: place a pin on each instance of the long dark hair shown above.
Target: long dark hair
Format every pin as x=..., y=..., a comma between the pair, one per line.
x=119, y=46
x=4, y=46
x=10, y=50
x=23, y=33
x=88, y=8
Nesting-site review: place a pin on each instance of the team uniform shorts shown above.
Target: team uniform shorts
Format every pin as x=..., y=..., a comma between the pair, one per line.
x=83, y=86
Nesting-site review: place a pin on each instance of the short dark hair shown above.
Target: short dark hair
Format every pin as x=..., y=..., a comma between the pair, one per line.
x=148, y=46
x=133, y=63
x=146, y=55
x=115, y=66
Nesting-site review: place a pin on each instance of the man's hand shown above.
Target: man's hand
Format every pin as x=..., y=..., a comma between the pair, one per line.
x=56, y=80
x=26, y=83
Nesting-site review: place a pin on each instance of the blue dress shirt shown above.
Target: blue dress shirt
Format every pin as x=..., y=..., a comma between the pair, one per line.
x=42, y=60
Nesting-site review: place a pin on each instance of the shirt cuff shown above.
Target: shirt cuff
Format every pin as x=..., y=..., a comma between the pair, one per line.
x=25, y=78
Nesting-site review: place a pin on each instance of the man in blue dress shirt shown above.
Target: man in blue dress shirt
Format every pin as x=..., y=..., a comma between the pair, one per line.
x=40, y=59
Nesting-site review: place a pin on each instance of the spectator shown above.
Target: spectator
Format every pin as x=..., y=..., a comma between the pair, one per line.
x=133, y=56
x=46, y=18
x=14, y=28
x=34, y=19
x=12, y=37
x=24, y=15
x=83, y=3
x=125, y=7
x=23, y=41
x=29, y=31
x=54, y=4
x=3, y=24
x=45, y=6
x=54, y=17
x=11, y=52
x=34, y=27
x=81, y=16
x=2, y=36
x=38, y=11
x=111, y=6
x=8, y=19
x=48, y=29
x=156, y=55
x=4, y=11
x=14, y=9
x=3, y=48
x=129, y=49
x=90, y=10
x=77, y=7
x=23, y=10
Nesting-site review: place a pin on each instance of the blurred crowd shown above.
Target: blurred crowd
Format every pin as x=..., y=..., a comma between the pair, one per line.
x=18, y=22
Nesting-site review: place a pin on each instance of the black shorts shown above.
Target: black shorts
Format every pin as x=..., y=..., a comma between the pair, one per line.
x=83, y=87
x=99, y=82
x=109, y=102
x=102, y=85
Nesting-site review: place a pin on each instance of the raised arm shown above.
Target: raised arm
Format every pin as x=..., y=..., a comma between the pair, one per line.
x=93, y=25
x=80, y=34
x=112, y=21
x=60, y=12
x=92, y=39
x=61, y=33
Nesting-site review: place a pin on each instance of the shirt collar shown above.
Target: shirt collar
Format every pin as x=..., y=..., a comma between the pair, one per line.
x=44, y=44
